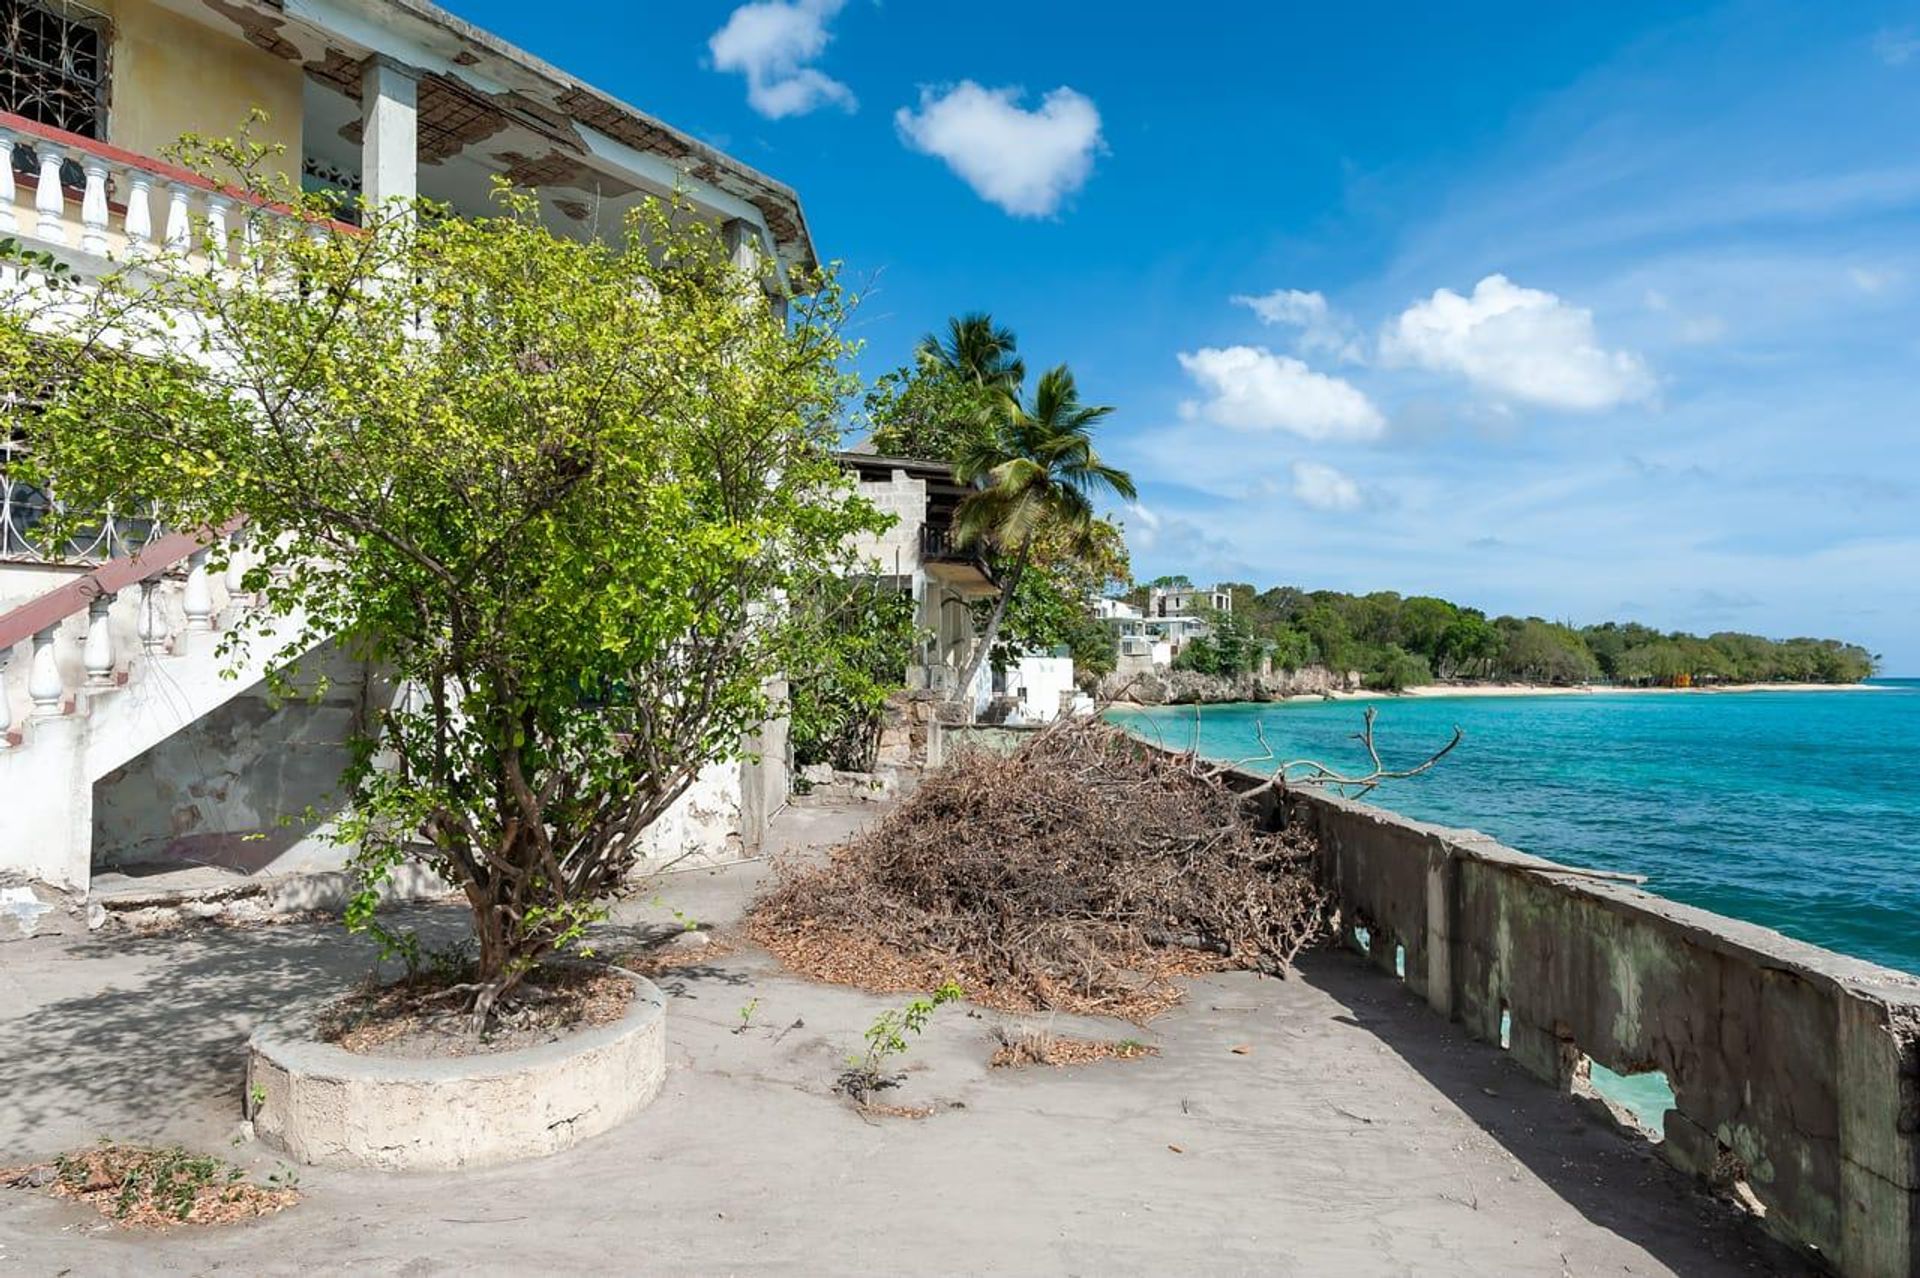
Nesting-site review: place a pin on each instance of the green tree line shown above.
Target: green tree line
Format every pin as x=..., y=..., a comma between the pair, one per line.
x=1399, y=642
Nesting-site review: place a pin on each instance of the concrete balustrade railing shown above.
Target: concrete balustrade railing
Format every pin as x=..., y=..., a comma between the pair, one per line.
x=1793, y=1068
x=125, y=206
x=70, y=647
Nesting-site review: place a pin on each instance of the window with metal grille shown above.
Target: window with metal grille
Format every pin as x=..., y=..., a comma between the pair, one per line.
x=53, y=65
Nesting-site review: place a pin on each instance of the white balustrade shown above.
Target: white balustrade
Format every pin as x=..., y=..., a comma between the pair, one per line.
x=238, y=597
x=93, y=207
x=179, y=234
x=150, y=627
x=44, y=686
x=139, y=221
x=173, y=222
x=9, y=223
x=48, y=199
x=219, y=208
x=98, y=654
x=197, y=602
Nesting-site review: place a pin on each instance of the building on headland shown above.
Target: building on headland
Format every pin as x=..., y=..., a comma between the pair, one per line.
x=919, y=555
x=1149, y=637
x=123, y=750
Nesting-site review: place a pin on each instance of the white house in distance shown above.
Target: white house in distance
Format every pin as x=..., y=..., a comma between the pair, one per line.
x=1150, y=638
x=918, y=556
x=125, y=757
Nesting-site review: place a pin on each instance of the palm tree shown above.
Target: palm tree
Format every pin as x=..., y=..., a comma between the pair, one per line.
x=1039, y=469
x=975, y=351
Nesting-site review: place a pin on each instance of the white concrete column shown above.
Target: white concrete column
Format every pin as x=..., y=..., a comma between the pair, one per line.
x=48, y=199
x=236, y=576
x=390, y=120
x=43, y=676
x=93, y=207
x=742, y=239
x=9, y=221
x=218, y=207
x=179, y=218
x=197, y=602
x=139, y=221
x=150, y=628
x=98, y=654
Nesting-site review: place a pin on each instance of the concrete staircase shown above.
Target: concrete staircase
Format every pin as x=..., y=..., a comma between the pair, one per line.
x=96, y=670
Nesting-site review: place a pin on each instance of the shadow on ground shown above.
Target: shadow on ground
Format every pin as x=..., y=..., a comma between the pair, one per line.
x=1611, y=1175
x=144, y=1037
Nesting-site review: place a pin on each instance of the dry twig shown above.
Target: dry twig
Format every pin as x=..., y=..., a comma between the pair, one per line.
x=1082, y=872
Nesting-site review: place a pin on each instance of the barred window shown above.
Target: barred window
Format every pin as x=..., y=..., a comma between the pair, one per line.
x=53, y=65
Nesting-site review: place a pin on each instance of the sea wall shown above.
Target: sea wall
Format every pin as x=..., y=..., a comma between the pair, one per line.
x=1794, y=1069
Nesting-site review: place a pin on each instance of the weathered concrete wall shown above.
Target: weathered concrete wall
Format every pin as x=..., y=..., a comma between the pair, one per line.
x=244, y=787
x=703, y=827
x=1792, y=1067
x=172, y=75
x=944, y=740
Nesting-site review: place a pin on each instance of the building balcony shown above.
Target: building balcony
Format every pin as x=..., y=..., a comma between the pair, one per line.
x=92, y=205
x=963, y=568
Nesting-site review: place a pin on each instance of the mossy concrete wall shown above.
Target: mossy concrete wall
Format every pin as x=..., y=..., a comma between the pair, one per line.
x=1793, y=1068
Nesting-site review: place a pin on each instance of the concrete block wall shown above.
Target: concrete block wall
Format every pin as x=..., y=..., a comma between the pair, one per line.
x=895, y=551
x=1793, y=1068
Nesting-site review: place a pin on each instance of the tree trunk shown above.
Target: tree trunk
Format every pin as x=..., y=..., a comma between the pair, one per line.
x=999, y=613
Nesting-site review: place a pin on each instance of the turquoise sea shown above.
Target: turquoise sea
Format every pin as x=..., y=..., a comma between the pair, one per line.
x=1796, y=810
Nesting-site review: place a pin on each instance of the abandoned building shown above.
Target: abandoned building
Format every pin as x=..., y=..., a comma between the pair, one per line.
x=126, y=760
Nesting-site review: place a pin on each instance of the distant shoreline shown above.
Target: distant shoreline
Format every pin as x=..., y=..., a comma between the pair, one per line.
x=1580, y=690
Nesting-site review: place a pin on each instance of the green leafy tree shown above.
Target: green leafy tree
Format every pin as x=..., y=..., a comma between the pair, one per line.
x=1395, y=670
x=1039, y=473
x=1053, y=606
x=926, y=413
x=552, y=487
x=863, y=642
x=1470, y=645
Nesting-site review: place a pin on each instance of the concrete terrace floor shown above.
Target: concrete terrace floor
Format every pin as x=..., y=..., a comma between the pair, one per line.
x=1358, y=1134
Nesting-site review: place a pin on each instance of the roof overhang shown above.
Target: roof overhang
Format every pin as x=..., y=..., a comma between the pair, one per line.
x=502, y=94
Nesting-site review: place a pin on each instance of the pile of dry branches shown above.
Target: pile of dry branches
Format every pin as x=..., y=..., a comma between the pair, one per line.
x=1080, y=873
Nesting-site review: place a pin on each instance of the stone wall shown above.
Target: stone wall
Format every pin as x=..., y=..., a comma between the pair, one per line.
x=1794, y=1069
x=1187, y=687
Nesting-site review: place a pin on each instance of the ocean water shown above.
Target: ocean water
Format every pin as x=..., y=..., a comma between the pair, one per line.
x=1796, y=810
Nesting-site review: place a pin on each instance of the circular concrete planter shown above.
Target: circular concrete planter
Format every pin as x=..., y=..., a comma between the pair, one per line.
x=329, y=1107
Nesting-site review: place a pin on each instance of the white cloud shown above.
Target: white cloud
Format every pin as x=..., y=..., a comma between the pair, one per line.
x=1027, y=162
x=1251, y=388
x=1321, y=328
x=1521, y=343
x=1871, y=280
x=1324, y=488
x=1895, y=48
x=771, y=42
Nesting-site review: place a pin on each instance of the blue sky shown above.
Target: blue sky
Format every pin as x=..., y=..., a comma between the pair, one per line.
x=1603, y=311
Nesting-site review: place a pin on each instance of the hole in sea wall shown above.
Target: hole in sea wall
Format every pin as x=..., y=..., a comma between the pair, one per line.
x=1363, y=939
x=1506, y=1027
x=1640, y=1099
x=1400, y=961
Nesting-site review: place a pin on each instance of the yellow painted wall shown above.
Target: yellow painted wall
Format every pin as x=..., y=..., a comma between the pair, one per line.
x=172, y=75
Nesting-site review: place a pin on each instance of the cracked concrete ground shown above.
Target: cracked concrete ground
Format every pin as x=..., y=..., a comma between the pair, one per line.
x=1356, y=1134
